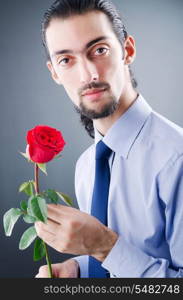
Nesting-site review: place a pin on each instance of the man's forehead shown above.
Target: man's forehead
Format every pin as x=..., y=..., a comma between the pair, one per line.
x=77, y=31
x=75, y=51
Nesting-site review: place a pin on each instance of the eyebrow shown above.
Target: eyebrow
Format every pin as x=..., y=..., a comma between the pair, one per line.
x=88, y=45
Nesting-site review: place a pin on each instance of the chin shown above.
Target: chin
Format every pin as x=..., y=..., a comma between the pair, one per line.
x=103, y=112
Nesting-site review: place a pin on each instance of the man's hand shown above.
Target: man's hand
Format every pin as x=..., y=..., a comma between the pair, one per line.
x=69, y=230
x=67, y=269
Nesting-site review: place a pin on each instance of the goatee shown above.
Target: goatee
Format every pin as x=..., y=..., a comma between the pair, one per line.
x=92, y=114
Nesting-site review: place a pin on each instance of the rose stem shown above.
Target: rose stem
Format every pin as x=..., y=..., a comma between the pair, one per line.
x=36, y=173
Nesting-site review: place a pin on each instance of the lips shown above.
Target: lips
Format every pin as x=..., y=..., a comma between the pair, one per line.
x=93, y=92
x=94, y=95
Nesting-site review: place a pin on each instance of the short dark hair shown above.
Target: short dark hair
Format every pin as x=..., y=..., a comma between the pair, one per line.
x=66, y=8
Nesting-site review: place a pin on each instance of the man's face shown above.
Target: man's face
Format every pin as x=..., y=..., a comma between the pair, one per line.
x=87, y=59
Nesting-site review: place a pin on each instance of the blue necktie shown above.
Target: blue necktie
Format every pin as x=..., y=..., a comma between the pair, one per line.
x=100, y=201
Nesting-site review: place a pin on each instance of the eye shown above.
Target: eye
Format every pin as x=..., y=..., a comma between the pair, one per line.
x=64, y=61
x=101, y=51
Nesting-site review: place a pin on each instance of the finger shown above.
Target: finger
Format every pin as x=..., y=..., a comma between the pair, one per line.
x=55, y=213
x=45, y=235
x=50, y=226
x=43, y=272
x=48, y=238
x=39, y=276
x=40, y=227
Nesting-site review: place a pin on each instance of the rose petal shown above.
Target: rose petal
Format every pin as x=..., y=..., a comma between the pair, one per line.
x=44, y=143
x=40, y=156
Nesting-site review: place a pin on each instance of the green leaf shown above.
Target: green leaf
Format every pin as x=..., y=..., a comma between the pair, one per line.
x=42, y=167
x=25, y=155
x=27, y=238
x=29, y=219
x=52, y=195
x=27, y=187
x=10, y=218
x=65, y=198
x=39, y=249
x=23, y=205
x=37, y=208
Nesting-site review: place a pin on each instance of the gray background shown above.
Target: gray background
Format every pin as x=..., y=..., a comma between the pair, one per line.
x=30, y=97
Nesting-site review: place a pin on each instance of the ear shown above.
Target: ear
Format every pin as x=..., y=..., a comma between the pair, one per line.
x=53, y=73
x=129, y=50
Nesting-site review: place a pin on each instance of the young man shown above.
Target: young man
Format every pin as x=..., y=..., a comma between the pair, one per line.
x=89, y=53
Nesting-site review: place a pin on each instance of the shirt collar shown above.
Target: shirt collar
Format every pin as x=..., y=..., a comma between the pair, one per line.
x=123, y=133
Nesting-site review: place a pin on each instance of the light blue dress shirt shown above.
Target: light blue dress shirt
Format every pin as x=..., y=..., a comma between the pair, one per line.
x=145, y=206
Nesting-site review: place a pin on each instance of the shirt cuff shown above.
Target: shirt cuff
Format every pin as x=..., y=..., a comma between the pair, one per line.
x=83, y=265
x=126, y=261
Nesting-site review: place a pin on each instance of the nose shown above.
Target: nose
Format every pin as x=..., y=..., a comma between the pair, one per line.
x=87, y=71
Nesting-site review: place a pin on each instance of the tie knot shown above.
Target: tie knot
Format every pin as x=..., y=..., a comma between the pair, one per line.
x=102, y=150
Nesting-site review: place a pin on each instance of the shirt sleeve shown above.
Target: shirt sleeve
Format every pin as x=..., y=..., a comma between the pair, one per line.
x=126, y=260
x=83, y=265
x=83, y=259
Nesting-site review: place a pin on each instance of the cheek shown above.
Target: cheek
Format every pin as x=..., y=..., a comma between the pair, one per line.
x=71, y=89
x=71, y=86
x=114, y=75
x=113, y=66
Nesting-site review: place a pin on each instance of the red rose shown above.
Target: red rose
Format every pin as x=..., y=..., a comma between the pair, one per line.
x=44, y=143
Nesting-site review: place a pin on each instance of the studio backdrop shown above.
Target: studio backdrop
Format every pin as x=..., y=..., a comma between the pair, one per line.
x=29, y=97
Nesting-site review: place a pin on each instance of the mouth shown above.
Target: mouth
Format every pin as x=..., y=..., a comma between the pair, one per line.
x=94, y=94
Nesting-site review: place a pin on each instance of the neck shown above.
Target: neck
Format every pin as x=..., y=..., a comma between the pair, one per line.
x=126, y=100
